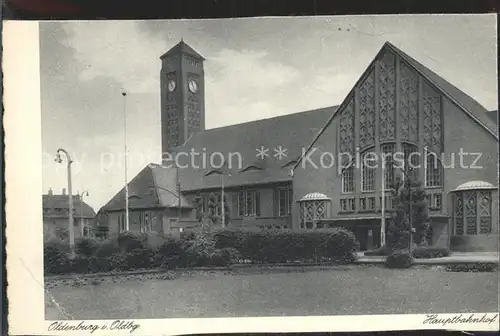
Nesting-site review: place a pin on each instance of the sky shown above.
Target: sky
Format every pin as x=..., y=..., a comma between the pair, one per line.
x=255, y=68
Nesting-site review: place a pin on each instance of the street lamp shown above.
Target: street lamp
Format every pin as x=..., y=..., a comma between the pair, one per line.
x=69, y=161
x=85, y=193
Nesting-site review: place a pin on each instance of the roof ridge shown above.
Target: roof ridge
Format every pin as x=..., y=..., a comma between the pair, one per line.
x=321, y=109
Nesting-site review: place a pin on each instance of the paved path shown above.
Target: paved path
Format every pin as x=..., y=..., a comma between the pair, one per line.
x=454, y=258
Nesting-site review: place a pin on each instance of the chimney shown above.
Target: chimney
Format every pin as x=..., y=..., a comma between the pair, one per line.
x=64, y=191
x=50, y=192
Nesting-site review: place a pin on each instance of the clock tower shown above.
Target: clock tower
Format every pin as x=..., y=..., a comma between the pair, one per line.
x=182, y=95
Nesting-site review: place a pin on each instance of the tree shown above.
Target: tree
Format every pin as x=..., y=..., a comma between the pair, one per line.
x=420, y=214
x=227, y=211
x=198, y=205
x=398, y=234
x=212, y=208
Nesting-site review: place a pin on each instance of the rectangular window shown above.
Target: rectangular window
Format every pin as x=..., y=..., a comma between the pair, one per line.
x=371, y=203
x=348, y=204
x=204, y=203
x=343, y=204
x=387, y=202
x=436, y=202
x=362, y=204
x=122, y=223
x=284, y=201
x=248, y=203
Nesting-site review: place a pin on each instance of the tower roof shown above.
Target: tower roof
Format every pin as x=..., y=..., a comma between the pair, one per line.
x=182, y=48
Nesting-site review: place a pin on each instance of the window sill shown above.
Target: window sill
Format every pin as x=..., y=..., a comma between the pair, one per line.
x=344, y=212
x=367, y=211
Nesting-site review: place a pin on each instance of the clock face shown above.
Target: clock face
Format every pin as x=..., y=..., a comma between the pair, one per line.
x=193, y=86
x=171, y=85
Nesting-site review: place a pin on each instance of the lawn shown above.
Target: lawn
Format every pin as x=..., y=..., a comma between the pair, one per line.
x=343, y=291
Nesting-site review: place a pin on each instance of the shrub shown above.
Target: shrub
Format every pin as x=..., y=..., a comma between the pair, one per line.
x=224, y=257
x=129, y=241
x=198, y=250
x=86, y=246
x=472, y=267
x=399, y=259
x=80, y=264
x=340, y=245
x=136, y=259
x=107, y=248
x=169, y=253
x=430, y=252
x=55, y=257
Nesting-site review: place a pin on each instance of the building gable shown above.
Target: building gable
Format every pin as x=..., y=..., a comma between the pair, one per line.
x=154, y=186
x=362, y=104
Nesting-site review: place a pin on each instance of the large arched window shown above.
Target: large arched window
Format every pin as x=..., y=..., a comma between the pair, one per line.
x=433, y=171
x=368, y=170
x=472, y=208
x=348, y=179
x=411, y=157
x=388, y=151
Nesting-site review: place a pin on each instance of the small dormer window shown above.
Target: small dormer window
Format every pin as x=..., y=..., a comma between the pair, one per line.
x=250, y=168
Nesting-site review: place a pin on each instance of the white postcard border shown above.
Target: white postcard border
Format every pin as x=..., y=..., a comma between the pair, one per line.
x=23, y=158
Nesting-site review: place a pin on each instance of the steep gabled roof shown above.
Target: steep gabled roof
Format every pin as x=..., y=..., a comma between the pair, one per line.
x=463, y=100
x=182, y=48
x=155, y=186
x=240, y=143
x=61, y=202
x=493, y=116
x=468, y=105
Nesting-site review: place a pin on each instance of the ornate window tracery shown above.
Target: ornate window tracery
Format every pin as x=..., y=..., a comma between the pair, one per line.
x=387, y=97
x=346, y=130
x=367, y=111
x=432, y=119
x=472, y=210
x=408, y=112
x=312, y=211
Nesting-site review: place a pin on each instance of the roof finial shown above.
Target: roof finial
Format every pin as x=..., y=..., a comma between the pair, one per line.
x=182, y=39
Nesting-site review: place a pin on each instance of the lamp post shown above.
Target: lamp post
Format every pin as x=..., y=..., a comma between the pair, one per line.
x=125, y=150
x=410, y=191
x=71, y=232
x=85, y=193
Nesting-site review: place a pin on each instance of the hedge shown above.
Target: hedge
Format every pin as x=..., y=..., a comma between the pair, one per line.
x=220, y=248
x=271, y=246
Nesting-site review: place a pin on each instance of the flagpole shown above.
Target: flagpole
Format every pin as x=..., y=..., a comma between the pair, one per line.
x=382, y=219
x=222, y=203
x=127, y=224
